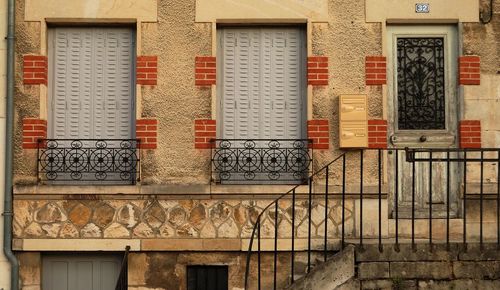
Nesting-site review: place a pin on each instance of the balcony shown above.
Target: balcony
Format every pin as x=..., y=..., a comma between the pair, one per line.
x=88, y=161
x=261, y=161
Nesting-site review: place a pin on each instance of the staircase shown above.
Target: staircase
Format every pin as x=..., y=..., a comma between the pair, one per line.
x=348, y=207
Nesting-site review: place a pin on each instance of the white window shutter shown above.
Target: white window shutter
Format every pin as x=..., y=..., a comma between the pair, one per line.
x=93, y=91
x=262, y=83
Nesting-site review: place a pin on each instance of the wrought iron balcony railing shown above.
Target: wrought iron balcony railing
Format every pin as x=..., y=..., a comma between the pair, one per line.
x=260, y=161
x=89, y=161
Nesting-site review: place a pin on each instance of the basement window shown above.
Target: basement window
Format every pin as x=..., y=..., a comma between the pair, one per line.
x=207, y=278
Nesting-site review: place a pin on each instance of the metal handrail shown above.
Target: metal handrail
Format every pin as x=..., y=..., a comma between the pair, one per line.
x=122, y=283
x=454, y=159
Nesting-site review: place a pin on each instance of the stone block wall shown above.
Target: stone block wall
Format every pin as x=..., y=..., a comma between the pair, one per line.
x=425, y=269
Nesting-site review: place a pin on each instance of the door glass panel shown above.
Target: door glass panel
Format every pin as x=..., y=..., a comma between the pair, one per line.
x=421, y=84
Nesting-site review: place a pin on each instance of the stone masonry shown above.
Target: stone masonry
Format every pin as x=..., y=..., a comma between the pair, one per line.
x=143, y=219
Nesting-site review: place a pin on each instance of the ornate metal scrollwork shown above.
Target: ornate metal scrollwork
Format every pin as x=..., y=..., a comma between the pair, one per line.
x=421, y=83
x=88, y=160
x=261, y=160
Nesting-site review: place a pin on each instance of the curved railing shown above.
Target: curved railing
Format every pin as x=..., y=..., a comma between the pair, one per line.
x=293, y=194
x=444, y=190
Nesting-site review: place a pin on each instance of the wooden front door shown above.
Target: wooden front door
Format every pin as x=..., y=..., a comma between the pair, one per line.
x=422, y=113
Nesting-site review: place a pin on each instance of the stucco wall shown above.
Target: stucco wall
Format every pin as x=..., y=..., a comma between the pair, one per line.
x=176, y=102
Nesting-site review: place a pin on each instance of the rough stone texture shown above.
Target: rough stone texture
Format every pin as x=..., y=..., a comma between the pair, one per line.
x=30, y=268
x=460, y=285
x=489, y=270
x=103, y=215
x=173, y=219
x=375, y=270
x=421, y=270
x=167, y=270
x=80, y=215
x=329, y=275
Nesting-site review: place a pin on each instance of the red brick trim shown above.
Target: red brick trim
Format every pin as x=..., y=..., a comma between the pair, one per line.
x=205, y=71
x=147, y=133
x=147, y=70
x=33, y=129
x=377, y=134
x=319, y=132
x=204, y=131
x=317, y=70
x=470, y=134
x=375, y=70
x=35, y=70
x=470, y=70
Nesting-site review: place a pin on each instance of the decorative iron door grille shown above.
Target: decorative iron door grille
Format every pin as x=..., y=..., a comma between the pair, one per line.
x=261, y=161
x=89, y=161
x=421, y=83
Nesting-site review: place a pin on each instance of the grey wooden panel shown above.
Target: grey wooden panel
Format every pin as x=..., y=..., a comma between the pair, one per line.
x=80, y=271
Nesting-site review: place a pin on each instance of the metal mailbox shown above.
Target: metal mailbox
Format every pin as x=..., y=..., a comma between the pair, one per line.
x=353, y=125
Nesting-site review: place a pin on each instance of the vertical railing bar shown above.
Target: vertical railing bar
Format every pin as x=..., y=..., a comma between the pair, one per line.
x=361, y=198
x=276, y=208
x=481, y=174
x=380, y=200
x=448, y=200
x=293, y=237
x=38, y=159
x=343, y=202
x=396, y=193
x=309, y=226
x=258, y=255
x=498, y=199
x=413, y=204
x=465, y=201
x=327, y=174
x=430, y=200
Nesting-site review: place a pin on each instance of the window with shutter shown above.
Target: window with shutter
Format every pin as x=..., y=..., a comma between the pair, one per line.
x=262, y=95
x=91, y=85
x=91, y=93
x=262, y=92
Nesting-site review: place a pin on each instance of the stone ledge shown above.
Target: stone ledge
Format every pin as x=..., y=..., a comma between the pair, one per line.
x=191, y=245
x=75, y=244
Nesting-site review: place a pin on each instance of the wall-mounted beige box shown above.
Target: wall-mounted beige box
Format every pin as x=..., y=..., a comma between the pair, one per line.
x=353, y=125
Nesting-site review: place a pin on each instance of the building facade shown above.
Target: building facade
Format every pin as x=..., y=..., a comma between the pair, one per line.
x=169, y=126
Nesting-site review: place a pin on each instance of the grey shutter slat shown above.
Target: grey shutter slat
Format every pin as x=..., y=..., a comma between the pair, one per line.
x=267, y=84
x=278, y=78
x=293, y=85
x=229, y=83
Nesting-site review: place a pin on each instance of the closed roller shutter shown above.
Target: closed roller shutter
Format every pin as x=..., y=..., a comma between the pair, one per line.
x=262, y=89
x=91, y=83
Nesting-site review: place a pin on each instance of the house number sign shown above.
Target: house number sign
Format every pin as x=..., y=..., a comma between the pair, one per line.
x=422, y=8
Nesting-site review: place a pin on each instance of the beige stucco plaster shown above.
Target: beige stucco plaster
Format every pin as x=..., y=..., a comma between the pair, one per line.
x=261, y=11
x=440, y=11
x=143, y=10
